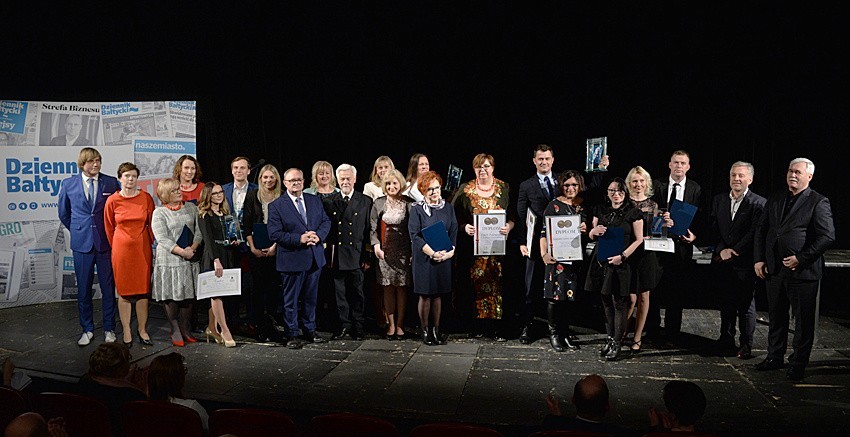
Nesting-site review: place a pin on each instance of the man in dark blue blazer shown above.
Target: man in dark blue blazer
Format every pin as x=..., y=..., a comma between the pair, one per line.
x=235, y=193
x=795, y=231
x=733, y=223
x=81, y=201
x=298, y=224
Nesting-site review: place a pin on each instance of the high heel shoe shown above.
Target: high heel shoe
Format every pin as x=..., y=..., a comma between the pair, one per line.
x=146, y=342
x=189, y=339
x=229, y=343
x=635, y=350
x=215, y=335
x=178, y=343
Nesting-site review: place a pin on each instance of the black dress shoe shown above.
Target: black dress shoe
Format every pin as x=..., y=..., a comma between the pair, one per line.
x=293, y=343
x=146, y=342
x=341, y=333
x=426, y=337
x=725, y=348
x=614, y=353
x=769, y=364
x=313, y=337
x=795, y=373
x=356, y=334
x=745, y=352
x=555, y=341
x=525, y=337
x=568, y=342
x=609, y=343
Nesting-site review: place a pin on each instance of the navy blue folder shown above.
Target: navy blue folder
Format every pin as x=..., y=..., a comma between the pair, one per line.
x=260, y=234
x=437, y=237
x=186, y=237
x=610, y=244
x=682, y=214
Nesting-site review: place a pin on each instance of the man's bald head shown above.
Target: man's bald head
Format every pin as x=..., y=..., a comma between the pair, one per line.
x=590, y=397
x=27, y=425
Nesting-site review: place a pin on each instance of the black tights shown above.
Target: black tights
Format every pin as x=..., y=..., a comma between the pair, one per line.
x=616, y=315
x=429, y=306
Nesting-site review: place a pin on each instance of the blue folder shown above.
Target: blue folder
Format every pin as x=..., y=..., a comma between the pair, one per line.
x=260, y=234
x=186, y=237
x=437, y=237
x=610, y=244
x=682, y=214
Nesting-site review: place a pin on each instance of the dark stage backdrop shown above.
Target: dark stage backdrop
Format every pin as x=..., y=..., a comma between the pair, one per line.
x=347, y=81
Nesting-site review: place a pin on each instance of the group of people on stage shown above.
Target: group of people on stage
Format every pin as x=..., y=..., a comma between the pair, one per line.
x=330, y=235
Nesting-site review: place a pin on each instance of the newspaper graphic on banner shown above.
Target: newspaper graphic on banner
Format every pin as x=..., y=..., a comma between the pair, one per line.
x=156, y=158
x=183, y=116
x=122, y=122
x=40, y=145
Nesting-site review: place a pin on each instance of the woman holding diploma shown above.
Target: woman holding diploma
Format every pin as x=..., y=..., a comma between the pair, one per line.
x=480, y=196
x=262, y=260
x=560, y=280
x=612, y=277
x=219, y=251
x=432, y=273
x=391, y=242
x=127, y=221
x=174, y=273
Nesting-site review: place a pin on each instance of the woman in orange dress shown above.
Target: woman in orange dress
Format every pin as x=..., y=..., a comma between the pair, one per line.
x=187, y=170
x=127, y=220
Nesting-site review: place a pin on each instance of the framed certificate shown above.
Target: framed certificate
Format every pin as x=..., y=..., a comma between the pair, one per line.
x=229, y=284
x=596, y=149
x=564, y=237
x=487, y=239
x=530, y=221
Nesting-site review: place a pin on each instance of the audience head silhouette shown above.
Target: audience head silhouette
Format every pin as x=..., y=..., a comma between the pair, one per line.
x=590, y=396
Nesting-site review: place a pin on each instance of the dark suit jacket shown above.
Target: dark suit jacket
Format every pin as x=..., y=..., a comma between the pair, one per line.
x=76, y=213
x=739, y=234
x=532, y=197
x=807, y=231
x=562, y=423
x=350, y=228
x=693, y=195
x=228, y=193
x=81, y=141
x=286, y=227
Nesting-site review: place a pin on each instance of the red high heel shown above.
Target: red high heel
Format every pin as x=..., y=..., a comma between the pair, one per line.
x=178, y=343
x=190, y=339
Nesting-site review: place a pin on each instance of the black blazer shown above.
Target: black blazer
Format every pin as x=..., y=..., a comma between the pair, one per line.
x=350, y=229
x=740, y=233
x=807, y=231
x=532, y=197
x=693, y=195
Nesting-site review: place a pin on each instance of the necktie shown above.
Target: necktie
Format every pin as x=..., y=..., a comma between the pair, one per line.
x=301, y=209
x=673, y=194
x=90, y=193
x=346, y=199
x=549, y=187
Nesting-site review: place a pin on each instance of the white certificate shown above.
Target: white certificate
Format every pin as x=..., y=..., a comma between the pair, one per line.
x=658, y=244
x=530, y=221
x=488, y=239
x=563, y=236
x=229, y=284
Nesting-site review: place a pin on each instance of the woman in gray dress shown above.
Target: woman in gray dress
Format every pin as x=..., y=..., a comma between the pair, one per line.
x=173, y=271
x=432, y=274
x=391, y=243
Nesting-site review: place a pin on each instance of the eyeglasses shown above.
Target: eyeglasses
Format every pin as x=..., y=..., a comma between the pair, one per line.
x=217, y=192
x=610, y=191
x=430, y=189
x=570, y=185
x=294, y=181
x=485, y=166
x=175, y=191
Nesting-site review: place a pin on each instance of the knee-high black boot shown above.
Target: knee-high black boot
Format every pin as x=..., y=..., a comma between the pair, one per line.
x=555, y=338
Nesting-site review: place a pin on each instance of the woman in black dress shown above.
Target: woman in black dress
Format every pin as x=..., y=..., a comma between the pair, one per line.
x=560, y=280
x=219, y=250
x=612, y=277
x=432, y=273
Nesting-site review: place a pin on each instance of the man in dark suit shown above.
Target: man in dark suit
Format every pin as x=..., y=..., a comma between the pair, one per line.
x=81, y=201
x=733, y=223
x=73, y=136
x=591, y=399
x=795, y=231
x=235, y=192
x=298, y=224
x=676, y=265
x=350, y=226
x=534, y=194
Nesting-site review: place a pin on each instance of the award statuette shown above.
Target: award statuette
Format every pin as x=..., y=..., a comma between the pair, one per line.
x=232, y=233
x=453, y=176
x=596, y=149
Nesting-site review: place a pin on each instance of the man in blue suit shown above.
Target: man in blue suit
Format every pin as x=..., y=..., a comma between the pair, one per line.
x=298, y=224
x=81, y=201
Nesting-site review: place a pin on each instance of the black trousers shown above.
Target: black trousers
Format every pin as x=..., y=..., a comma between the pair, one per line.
x=736, y=288
x=266, y=292
x=670, y=294
x=534, y=270
x=801, y=296
x=348, y=285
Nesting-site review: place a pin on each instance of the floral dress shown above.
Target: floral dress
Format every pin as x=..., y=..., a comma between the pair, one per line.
x=486, y=271
x=560, y=282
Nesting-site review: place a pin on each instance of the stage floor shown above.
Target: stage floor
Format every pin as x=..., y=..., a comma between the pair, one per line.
x=499, y=384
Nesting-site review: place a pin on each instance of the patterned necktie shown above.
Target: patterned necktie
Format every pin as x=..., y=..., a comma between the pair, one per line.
x=301, y=209
x=549, y=187
x=673, y=194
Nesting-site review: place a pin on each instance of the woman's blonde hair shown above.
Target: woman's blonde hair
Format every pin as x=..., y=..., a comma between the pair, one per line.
x=318, y=166
x=374, y=176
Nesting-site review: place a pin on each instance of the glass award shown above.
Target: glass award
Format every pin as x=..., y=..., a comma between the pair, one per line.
x=659, y=227
x=596, y=149
x=231, y=230
x=453, y=176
